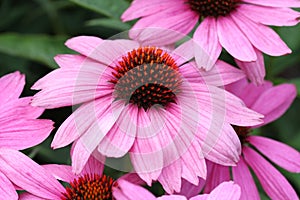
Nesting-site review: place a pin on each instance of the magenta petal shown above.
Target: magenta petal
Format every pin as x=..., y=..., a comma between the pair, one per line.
x=7, y=189
x=129, y=191
x=280, y=153
x=189, y=190
x=28, y=175
x=60, y=172
x=273, y=182
x=270, y=16
x=242, y=176
x=275, y=101
x=22, y=134
x=276, y=3
x=11, y=86
x=207, y=47
x=262, y=37
x=234, y=40
x=254, y=70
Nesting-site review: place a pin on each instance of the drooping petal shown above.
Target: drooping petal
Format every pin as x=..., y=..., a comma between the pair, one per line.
x=94, y=165
x=7, y=190
x=262, y=37
x=276, y=3
x=273, y=182
x=242, y=176
x=28, y=175
x=281, y=154
x=189, y=190
x=269, y=15
x=254, y=70
x=60, y=172
x=11, y=86
x=234, y=40
x=22, y=134
x=130, y=191
x=27, y=196
x=273, y=102
x=206, y=44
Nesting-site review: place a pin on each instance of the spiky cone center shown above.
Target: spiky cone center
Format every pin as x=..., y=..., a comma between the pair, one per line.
x=242, y=132
x=213, y=8
x=90, y=187
x=145, y=77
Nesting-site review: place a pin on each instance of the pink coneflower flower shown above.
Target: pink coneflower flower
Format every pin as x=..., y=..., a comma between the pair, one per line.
x=237, y=25
x=224, y=191
x=19, y=128
x=42, y=182
x=272, y=101
x=147, y=101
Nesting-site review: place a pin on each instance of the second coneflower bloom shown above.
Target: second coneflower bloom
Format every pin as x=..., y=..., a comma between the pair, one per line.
x=148, y=102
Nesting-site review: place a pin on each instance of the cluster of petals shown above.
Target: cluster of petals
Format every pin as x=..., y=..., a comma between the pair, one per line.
x=243, y=32
x=272, y=101
x=164, y=143
x=19, y=128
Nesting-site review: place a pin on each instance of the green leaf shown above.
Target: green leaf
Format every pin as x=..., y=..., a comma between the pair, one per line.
x=109, y=23
x=109, y=8
x=40, y=48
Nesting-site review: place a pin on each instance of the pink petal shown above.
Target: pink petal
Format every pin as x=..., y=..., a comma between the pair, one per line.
x=128, y=191
x=28, y=175
x=234, y=40
x=269, y=15
x=11, y=86
x=261, y=36
x=7, y=190
x=275, y=101
x=172, y=197
x=164, y=28
x=133, y=178
x=277, y=152
x=22, y=134
x=27, y=196
x=94, y=165
x=273, y=182
x=216, y=174
x=70, y=86
x=61, y=172
x=189, y=190
x=207, y=46
x=183, y=53
x=242, y=176
x=276, y=3
x=226, y=191
x=254, y=70
x=139, y=9
x=121, y=136
x=84, y=44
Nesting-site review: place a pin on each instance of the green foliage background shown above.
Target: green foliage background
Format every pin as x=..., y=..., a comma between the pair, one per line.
x=32, y=32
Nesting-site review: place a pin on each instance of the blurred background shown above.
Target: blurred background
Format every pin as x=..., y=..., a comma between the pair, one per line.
x=32, y=32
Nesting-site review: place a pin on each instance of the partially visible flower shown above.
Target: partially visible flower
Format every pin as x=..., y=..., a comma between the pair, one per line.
x=240, y=26
x=42, y=182
x=148, y=102
x=129, y=191
x=19, y=128
x=272, y=101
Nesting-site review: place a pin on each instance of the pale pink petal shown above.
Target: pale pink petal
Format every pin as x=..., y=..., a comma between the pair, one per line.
x=7, y=189
x=254, y=70
x=280, y=153
x=276, y=3
x=70, y=86
x=28, y=175
x=22, y=134
x=144, y=8
x=262, y=37
x=226, y=191
x=269, y=15
x=189, y=190
x=200, y=197
x=60, y=172
x=11, y=86
x=172, y=197
x=234, y=40
x=216, y=174
x=103, y=51
x=274, y=102
x=207, y=47
x=121, y=136
x=70, y=60
x=164, y=28
x=125, y=190
x=273, y=182
x=27, y=196
x=243, y=177
x=183, y=53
